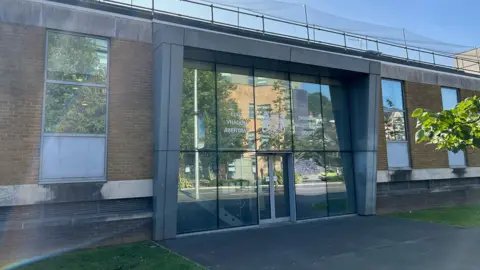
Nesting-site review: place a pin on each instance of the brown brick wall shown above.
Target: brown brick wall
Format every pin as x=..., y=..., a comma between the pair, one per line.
x=427, y=97
x=382, y=163
x=416, y=195
x=22, y=52
x=473, y=156
x=130, y=134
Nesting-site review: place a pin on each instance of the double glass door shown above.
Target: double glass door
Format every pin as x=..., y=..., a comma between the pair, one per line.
x=274, y=201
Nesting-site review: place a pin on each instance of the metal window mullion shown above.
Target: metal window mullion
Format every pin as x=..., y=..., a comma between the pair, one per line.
x=46, y=134
x=77, y=83
x=44, y=100
x=217, y=142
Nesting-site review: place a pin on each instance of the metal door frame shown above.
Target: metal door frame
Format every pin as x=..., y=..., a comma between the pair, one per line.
x=287, y=168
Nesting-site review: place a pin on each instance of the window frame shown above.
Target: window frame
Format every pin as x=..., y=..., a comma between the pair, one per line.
x=405, y=120
x=458, y=99
x=43, y=134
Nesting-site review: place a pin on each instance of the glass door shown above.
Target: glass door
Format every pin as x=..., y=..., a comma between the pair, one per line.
x=274, y=203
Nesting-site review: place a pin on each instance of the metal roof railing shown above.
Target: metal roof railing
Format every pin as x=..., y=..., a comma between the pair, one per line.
x=268, y=25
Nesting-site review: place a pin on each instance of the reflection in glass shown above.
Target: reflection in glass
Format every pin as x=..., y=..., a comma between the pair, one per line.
x=76, y=58
x=280, y=187
x=272, y=99
x=228, y=114
x=237, y=189
x=274, y=188
x=449, y=98
x=197, y=192
x=234, y=96
x=310, y=185
x=394, y=123
x=75, y=109
x=264, y=188
x=392, y=94
x=198, y=115
x=336, y=120
x=340, y=185
x=307, y=113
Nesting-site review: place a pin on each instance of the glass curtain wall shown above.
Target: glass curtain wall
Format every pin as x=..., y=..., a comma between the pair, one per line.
x=230, y=116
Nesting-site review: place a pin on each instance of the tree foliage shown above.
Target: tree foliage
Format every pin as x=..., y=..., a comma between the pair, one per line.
x=455, y=129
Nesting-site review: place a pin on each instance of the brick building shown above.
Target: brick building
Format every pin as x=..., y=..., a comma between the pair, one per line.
x=118, y=125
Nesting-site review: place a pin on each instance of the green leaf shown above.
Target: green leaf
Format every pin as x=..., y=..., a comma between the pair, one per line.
x=417, y=112
x=419, y=135
x=476, y=142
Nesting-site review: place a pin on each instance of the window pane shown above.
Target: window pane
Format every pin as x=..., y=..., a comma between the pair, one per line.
x=340, y=184
x=75, y=109
x=251, y=111
x=272, y=99
x=234, y=96
x=392, y=95
x=197, y=192
x=77, y=58
x=198, y=116
x=307, y=113
x=449, y=98
x=397, y=154
x=310, y=187
x=237, y=180
x=336, y=120
x=394, y=126
x=456, y=160
x=74, y=157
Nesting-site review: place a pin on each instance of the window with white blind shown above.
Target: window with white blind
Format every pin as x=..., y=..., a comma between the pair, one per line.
x=449, y=101
x=395, y=124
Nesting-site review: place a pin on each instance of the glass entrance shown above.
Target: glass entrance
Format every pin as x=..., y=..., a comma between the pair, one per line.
x=274, y=203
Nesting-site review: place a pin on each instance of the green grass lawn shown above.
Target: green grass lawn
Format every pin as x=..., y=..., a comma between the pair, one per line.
x=466, y=216
x=146, y=255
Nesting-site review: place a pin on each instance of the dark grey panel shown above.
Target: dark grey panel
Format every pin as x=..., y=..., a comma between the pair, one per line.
x=375, y=68
x=164, y=33
x=234, y=44
x=159, y=187
x=20, y=12
x=365, y=181
x=168, y=85
x=199, y=54
x=233, y=59
x=133, y=29
x=175, y=101
x=364, y=99
x=161, y=95
x=73, y=20
x=364, y=95
x=412, y=74
x=171, y=188
x=337, y=61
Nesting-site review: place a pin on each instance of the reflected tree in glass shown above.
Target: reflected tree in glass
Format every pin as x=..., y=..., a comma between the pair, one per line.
x=197, y=211
x=76, y=58
x=311, y=191
x=75, y=109
x=213, y=99
x=275, y=127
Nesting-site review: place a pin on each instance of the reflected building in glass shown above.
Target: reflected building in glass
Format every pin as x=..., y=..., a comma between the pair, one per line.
x=261, y=146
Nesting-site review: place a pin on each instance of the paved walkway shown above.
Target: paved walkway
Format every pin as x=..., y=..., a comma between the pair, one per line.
x=343, y=243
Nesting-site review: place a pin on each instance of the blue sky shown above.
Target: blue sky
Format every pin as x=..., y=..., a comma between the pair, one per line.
x=450, y=21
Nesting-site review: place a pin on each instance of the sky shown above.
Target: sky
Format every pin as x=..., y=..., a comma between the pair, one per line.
x=450, y=21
